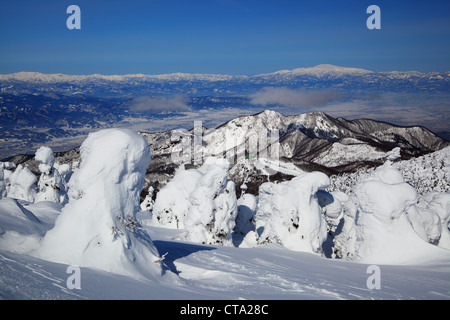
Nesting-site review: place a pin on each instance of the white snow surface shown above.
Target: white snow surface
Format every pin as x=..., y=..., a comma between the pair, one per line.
x=381, y=221
x=344, y=153
x=204, y=272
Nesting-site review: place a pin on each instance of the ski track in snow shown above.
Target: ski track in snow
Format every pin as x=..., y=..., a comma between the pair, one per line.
x=273, y=272
x=197, y=271
x=217, y=272
x=29, y=280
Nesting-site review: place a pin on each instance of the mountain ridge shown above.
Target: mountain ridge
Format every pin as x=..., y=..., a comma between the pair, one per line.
x=321, y=77
x=305, y=142
x=321, y=69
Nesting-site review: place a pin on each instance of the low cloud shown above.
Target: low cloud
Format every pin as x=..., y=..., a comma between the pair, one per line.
x=159, y=104
x=293, y=97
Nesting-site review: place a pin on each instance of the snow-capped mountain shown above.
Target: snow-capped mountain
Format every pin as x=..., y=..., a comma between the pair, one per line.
x=317, y=71
x=304, y=142
x=302, y=205
x=269, y=146
x=37, y=108
x=321, y=76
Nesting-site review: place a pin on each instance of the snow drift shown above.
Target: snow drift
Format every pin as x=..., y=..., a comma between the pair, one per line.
x=20, y=229
x=97, y=228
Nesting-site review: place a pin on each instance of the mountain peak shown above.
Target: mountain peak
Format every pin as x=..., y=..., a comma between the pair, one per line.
x=329, y=68
x=319, y=70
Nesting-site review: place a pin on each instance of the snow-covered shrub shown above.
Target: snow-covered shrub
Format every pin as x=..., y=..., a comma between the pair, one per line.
x=213, y=205
x=51, y=186
x=345, y=182
x=428, y=173
x=21, y=184
x=289, y=213
x=376, y=226
x=98, y=228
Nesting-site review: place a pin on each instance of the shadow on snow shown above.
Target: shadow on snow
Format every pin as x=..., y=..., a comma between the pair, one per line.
x=176, y=250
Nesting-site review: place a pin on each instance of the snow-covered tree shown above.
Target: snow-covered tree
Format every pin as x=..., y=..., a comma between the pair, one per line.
x=21, y=184
x=377, y=228
x=213, y=206
x=394, y=154
x=147, y=203
x=434, y=209
x=201, y=201
x=65, y=170
x=98, y=228
x=289, y=213
x=51, y=185
x=172, y=201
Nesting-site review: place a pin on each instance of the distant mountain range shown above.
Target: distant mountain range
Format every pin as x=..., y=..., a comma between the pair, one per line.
x=321, y=76
x=38, y=108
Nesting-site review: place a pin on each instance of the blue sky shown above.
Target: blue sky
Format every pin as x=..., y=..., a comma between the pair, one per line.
x=222, y=36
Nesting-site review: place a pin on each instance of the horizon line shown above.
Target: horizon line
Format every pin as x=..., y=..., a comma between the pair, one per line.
x=281, y=71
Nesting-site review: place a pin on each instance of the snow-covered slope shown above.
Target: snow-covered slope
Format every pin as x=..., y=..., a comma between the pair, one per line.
x=299, y=230
x=208, y=272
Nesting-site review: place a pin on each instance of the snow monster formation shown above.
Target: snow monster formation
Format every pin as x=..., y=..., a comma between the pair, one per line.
x=51, y=185
x=200, y=201
x=97, y=228
x=382, y=223
x=289, y=213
